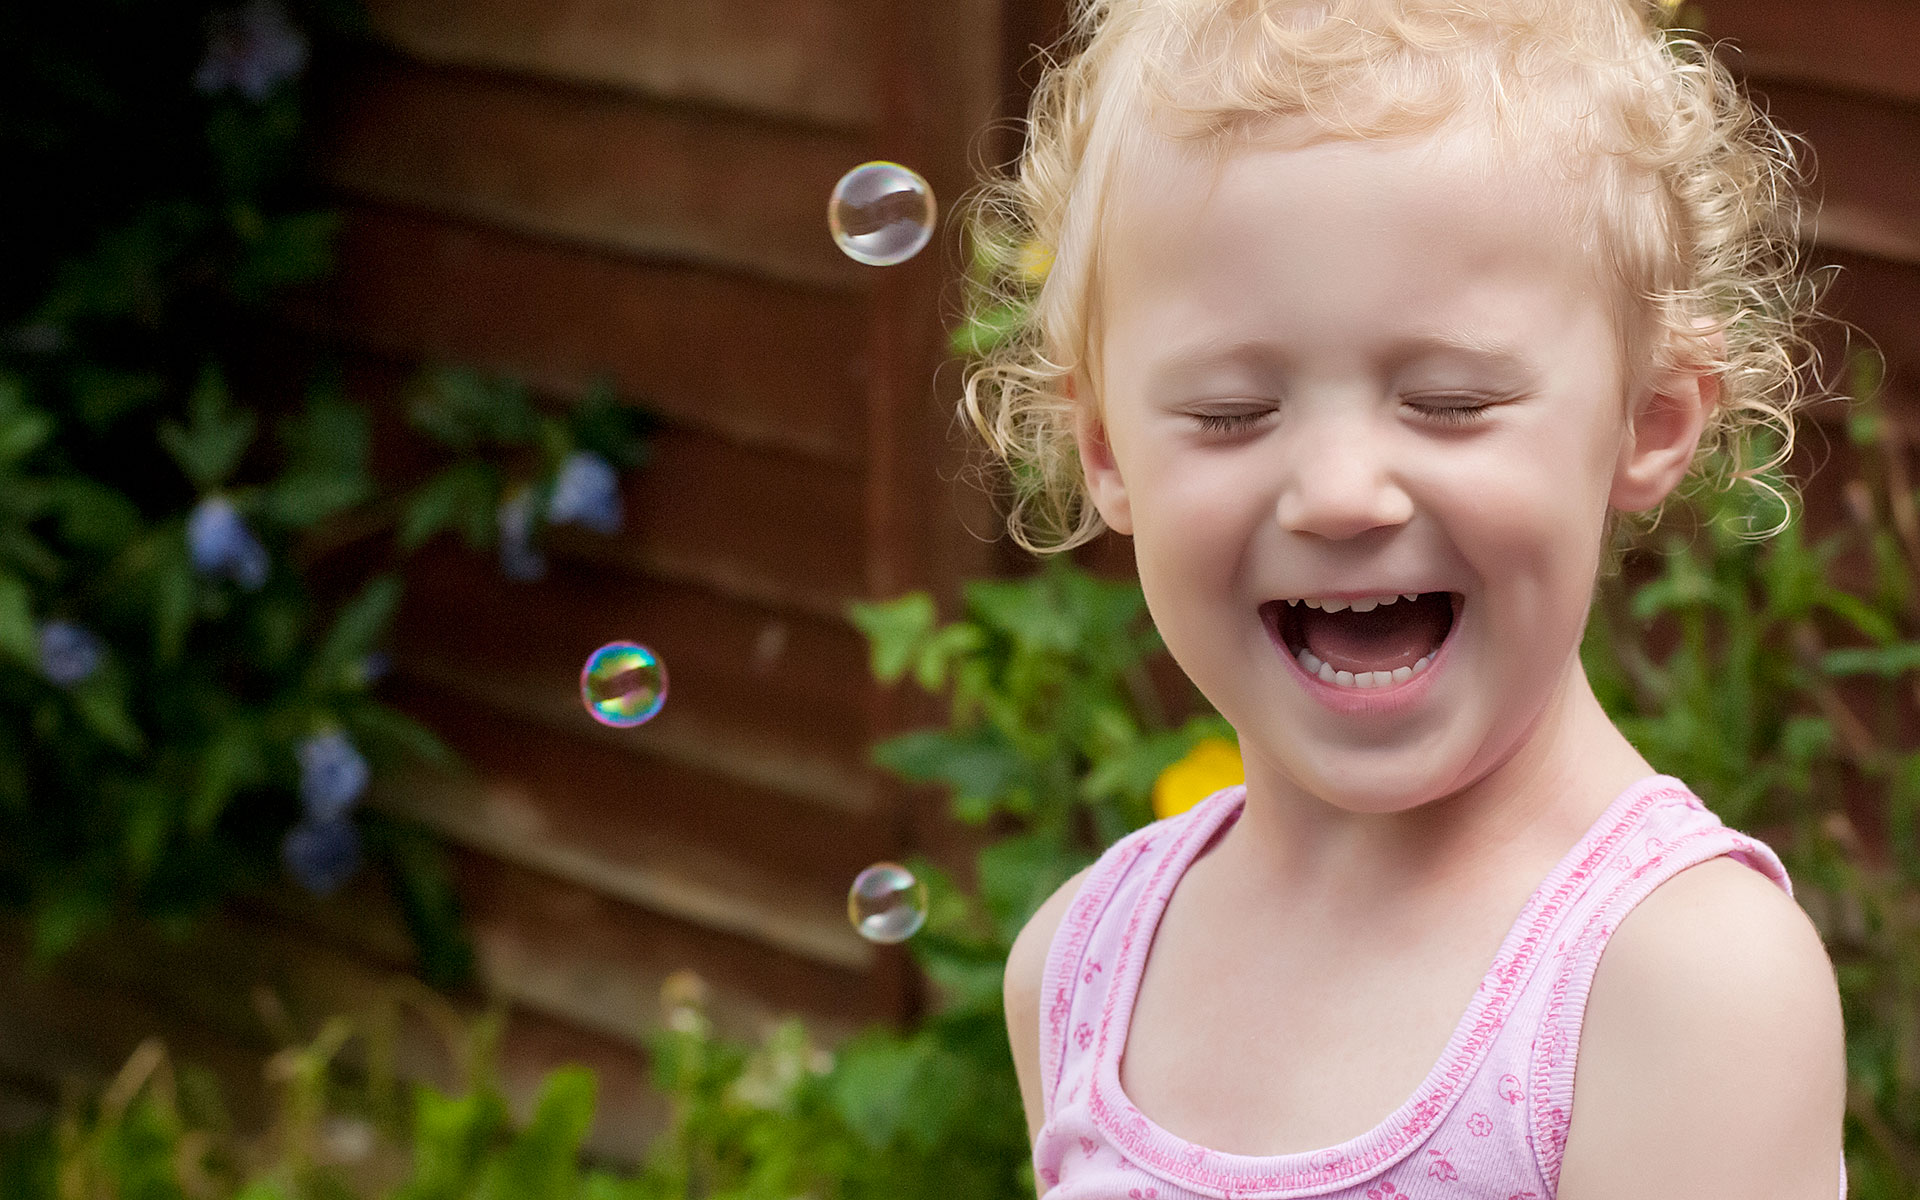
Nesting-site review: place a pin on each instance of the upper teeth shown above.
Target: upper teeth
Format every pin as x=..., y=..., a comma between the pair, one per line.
x=1363, y=604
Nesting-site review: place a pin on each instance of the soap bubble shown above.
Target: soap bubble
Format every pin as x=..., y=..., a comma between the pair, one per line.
x=623, y=684
x=887, y=904
x=881, y=213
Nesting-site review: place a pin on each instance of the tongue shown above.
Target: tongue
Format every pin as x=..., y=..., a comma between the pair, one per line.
x=1391, y=636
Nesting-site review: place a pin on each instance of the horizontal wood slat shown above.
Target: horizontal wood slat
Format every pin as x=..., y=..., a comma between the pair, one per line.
x=772, y=699
x=1867, y=165
x=810, y=60
x=759, y=362
x=582, y=956
x=598, y=169
x=597, y=792
x=678, y=880
x=1871, y=46
x=633, y=861
x=766, y=527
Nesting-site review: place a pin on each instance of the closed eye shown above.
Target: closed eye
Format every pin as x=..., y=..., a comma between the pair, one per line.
x=1233, y=422
x=1454, y=410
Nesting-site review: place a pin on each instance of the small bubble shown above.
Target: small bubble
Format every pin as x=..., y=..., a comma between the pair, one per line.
x=887, y=904
x=881, y=213
x=623, y=684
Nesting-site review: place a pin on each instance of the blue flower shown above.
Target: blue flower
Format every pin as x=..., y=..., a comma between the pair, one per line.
x=250, y=50
x=586, y=492
x=332, y=775
x=220, y=544
x=518, y=559
x=322, y=855
x=68, y=653
x=377, y=665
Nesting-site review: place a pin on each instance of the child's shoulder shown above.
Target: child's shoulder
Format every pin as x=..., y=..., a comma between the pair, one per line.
x=1713, y=1009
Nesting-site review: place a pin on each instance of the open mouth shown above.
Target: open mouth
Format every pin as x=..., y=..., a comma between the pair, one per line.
x=1365, y=642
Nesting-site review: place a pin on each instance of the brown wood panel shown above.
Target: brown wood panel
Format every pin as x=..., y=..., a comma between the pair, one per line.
x=808, y=60
x=632, y=861
x=597, y=793
x=1867, y=167
x=772, y=698
x=759, y=362
x=1870, y=46
x=597, y=168
x=581, y=956
x=759, y=525
x=1882, y=299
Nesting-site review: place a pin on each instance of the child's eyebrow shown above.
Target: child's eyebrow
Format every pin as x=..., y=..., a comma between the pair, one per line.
x=1182, y=362
x=1462, y=341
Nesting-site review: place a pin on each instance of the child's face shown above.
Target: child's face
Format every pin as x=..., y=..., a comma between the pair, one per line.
x=1354, y=370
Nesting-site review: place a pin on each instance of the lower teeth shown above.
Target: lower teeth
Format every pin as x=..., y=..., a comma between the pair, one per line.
x=1364, y=679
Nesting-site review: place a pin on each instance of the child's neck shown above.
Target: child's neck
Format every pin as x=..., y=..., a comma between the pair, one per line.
x=1512, y=824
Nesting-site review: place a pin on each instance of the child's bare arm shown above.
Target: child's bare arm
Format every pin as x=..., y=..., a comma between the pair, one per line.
x=1026, y=962
x=1712, y=1060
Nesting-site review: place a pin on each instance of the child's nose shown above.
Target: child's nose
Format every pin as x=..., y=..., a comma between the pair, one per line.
x=1342, y=491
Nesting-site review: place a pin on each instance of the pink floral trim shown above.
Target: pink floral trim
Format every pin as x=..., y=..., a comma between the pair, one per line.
x=1070, y=940
x=1556, y=1044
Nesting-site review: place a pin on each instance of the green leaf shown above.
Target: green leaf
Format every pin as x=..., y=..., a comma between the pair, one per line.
x=235, y=758
x=67, y=916
x=92, y=514
x=542, y=1162
x=1018, y=873
x=23, y=429
x=327, y=464
x=102, y=395
x=464, y=409
x=18, y=640
x=1884, y=661
x=101, y=701
x=356, y=630
x=210, y=445
x=896, y=630
x=174, y=590
x=285, y=251
x=1025, y=610
x=384, y=730
x=986, y=328
x=465, y=496
x=976, y=763
x=423, y=883
x=874, y=1082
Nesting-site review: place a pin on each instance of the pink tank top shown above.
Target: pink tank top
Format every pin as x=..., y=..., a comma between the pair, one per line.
x=1490, y=1120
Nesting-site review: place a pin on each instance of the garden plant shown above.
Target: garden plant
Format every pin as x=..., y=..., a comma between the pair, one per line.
x=187, y=702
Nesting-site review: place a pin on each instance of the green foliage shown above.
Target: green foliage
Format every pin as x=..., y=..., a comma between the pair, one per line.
x=149, y=753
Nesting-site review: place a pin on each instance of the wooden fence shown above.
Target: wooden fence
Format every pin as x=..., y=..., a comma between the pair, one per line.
x=573, y=190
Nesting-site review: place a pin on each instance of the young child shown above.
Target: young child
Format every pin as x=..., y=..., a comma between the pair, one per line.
x=1364, y=320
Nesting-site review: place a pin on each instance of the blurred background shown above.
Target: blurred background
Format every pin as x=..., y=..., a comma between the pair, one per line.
x=364, y=367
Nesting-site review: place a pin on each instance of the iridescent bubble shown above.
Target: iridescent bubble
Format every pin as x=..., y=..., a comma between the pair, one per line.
x=887, y=904
x=881, y=213
x=623, y=684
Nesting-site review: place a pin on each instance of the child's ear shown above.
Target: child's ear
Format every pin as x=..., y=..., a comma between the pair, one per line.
x=1104, y=485
x=1663, y=432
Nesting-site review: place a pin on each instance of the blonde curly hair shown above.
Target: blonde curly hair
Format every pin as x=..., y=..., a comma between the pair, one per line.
x=1690, y=196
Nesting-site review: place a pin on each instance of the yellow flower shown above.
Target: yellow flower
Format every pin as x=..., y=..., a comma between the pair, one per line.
x=1212, y=764
x=1032, y=262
